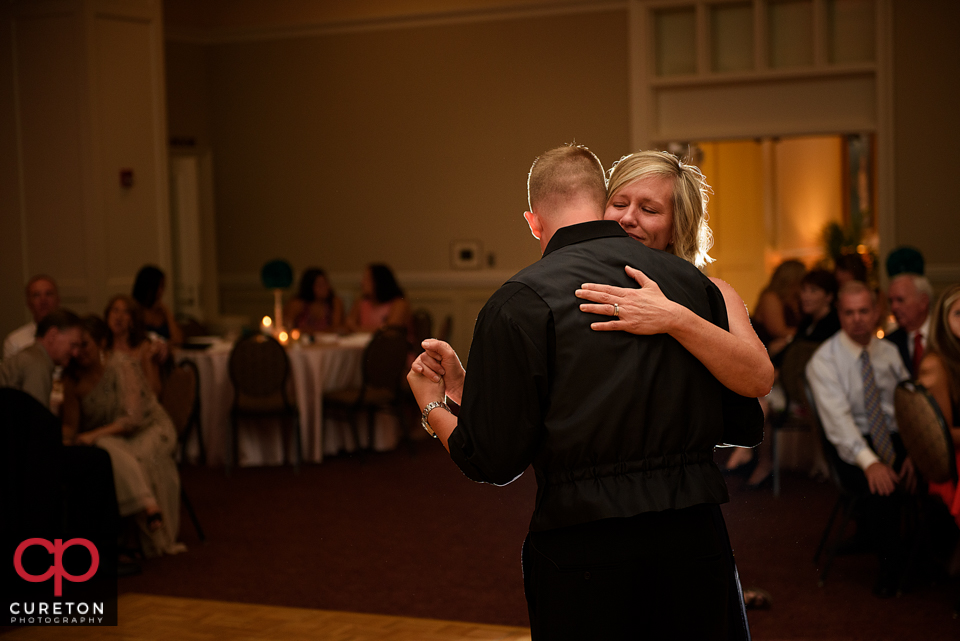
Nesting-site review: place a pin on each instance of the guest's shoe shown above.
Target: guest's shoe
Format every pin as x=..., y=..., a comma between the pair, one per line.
x=762, y=484
x=744, y=469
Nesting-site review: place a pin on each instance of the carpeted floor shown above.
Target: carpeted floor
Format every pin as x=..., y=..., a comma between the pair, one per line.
x=410, y=535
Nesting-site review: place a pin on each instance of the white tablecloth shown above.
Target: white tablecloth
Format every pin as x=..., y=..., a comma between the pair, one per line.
x=323, y=367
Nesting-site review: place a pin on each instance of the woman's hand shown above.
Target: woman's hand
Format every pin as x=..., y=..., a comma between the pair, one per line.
x=642, y=311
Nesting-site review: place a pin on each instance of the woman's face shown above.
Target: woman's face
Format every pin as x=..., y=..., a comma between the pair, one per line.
x=953, y=318
x=321, y=288
x=814, y=301
x=644, y=208
x=118, y=318
x=89, y=353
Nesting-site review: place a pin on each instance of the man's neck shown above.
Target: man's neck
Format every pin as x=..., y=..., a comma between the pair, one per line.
x=566, y=218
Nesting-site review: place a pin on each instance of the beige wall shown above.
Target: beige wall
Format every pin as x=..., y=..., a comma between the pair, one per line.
x=387, y=145
x=12, y=310
x=927, y=68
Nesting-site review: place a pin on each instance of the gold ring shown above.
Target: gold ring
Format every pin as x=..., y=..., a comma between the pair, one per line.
x=616, y=310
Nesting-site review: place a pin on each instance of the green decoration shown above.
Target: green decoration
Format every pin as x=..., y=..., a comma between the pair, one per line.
x=276, y=274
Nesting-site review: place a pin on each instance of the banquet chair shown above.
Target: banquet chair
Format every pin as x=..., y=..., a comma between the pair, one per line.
x=796, y=414
x=180, y=397
x=929, y=443
x=384, y=364
x=263, y=387
x=924, y=432
x=851, y=494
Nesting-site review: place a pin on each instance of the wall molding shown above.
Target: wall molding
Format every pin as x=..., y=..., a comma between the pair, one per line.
x=224, y=35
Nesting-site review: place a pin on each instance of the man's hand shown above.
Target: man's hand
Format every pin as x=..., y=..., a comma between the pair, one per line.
x=881, y=478
x=908, y=475
x=439, y=361
x=425, y=389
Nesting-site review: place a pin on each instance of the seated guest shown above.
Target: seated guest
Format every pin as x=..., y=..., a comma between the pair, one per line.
x=107, y=403
x=910, y=299
x=940, y=374
x=316, y=308
x=42, y=298
x=777, y=312
x=128, y=336
x=853, y=376
x=850, y=267
x=157, y=318
x=31, y=369
x=381, y=302
x=818, y=293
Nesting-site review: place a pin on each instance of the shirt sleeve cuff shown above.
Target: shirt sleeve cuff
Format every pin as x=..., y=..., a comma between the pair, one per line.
x=866, y=458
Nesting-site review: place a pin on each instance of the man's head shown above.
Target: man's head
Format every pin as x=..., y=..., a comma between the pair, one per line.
x=857, y=306
x=60, y=334
x=42, y=296
x=565, y=186
x=910, y=297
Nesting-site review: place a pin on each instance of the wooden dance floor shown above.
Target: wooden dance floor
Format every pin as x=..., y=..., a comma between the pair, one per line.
x=151, y=617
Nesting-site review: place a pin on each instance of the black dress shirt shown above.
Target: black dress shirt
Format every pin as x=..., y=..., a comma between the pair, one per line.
x=614, y=424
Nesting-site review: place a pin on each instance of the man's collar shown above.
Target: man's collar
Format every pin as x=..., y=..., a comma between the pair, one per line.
x=924, y=329
x=580, y=232
x=853, y=346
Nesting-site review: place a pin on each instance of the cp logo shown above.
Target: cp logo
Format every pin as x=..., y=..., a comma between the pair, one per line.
x=56, y=570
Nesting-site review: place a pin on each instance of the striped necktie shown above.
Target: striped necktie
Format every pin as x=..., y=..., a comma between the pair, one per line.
x=879, y=434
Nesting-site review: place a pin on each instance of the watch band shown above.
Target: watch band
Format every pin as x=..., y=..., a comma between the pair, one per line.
x=426, y=413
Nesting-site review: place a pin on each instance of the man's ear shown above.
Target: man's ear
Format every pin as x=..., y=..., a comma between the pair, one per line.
x=536, y=225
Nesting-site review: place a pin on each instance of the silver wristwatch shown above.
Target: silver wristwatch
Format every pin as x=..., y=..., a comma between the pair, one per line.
x=426, y=412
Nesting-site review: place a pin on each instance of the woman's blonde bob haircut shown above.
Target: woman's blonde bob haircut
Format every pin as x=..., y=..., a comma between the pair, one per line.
x=692, y=238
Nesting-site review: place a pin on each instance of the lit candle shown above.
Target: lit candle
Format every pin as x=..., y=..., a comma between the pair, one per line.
x=265, y=325
x=282, y=337
x=295, y=334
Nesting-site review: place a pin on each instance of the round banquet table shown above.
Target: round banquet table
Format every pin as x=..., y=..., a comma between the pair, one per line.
x=332, y=363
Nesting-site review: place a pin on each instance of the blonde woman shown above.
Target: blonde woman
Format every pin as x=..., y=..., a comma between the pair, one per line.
x=662, y=202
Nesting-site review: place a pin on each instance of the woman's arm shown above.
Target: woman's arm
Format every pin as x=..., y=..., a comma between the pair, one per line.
x=353, y=321
x=290, y=313
x=336, y=314
x=399, y=315
x=770, y=312
x=176, y=336
x=151, y=369
x=736, y=358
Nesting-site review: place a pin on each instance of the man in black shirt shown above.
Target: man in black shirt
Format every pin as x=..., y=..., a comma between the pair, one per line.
x=626, y=535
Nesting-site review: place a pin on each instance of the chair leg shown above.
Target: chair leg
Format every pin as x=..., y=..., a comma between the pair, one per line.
x=231, y=456
x=297, y=448
x=371, y=427
x=355, y=429
x=832, y=553
x=200, y=445
x=826, y=531
x=775, y=456
x=192, y=514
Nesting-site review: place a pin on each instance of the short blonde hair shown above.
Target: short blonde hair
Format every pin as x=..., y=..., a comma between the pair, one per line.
x=692, y=237
x=566, y=173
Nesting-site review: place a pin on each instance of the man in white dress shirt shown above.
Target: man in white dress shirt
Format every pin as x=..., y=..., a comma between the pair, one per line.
x=42, y=298
x=911, y=296
x=853, y=376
